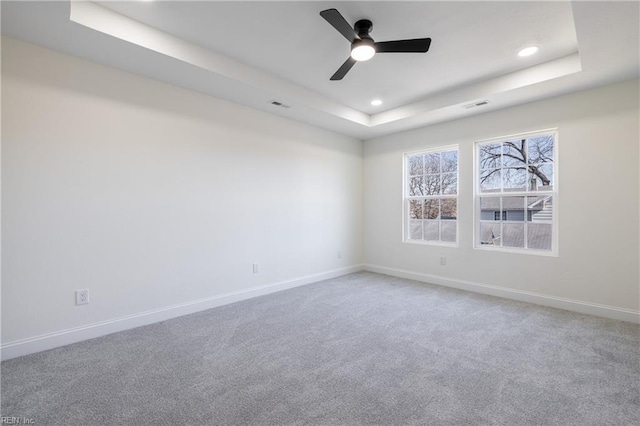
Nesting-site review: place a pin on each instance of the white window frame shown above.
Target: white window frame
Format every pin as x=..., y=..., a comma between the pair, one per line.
x=406, y=198
x=525, y=193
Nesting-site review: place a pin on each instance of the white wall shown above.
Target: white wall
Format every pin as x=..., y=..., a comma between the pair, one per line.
x=152, y=196
x=597, y=205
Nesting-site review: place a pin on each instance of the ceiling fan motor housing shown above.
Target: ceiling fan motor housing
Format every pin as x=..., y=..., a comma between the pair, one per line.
x=363, y=42
x=363, y=27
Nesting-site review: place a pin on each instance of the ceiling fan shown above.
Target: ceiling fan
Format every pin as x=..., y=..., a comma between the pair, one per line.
x=362, y=45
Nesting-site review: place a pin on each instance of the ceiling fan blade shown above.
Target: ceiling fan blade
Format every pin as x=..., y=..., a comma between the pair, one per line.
x=413, y=45
x=344, y=69
x=334, y=17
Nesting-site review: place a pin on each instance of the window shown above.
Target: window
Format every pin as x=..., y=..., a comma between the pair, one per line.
x=431, y=196
x=515, y=192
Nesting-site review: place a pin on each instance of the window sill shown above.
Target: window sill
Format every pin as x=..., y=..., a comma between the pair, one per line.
x=515, y=250
x=431, y=243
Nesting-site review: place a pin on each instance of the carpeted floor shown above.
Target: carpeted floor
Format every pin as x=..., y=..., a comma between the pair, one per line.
x=360, y=349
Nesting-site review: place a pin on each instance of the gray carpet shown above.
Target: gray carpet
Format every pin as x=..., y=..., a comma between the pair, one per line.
x=360, y=349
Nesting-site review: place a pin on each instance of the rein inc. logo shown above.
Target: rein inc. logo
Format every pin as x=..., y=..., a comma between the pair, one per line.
x=6, y=420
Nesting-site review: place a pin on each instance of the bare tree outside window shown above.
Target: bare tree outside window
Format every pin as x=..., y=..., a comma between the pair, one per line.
x=517, y=165
x=432, y=188
x=515, y=180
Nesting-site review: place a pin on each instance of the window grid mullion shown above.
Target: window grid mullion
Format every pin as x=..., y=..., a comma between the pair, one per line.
x=526, y=223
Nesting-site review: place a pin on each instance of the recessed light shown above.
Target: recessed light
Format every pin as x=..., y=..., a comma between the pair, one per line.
x=376, y=102
x=528, y=51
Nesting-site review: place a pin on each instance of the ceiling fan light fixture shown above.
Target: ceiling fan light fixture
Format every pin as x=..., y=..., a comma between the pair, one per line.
x=528, y=51
x=362, y=50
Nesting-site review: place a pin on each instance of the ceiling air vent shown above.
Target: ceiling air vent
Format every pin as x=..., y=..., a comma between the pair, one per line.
x=279, y=104
x=475, y=104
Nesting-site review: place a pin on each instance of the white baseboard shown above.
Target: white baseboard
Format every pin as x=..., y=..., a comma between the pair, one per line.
x=508, y=293
x=90, y=331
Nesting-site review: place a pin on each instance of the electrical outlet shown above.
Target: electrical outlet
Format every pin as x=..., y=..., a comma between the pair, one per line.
x=339, y=254
x=255, y=268
x=82, y=297
x=443, y=260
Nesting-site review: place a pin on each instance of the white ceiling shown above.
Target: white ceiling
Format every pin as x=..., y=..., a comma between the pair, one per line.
x=255, y=52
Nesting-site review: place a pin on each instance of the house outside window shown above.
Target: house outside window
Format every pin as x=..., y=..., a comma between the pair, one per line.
x=431, y=196
x=515, y=193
